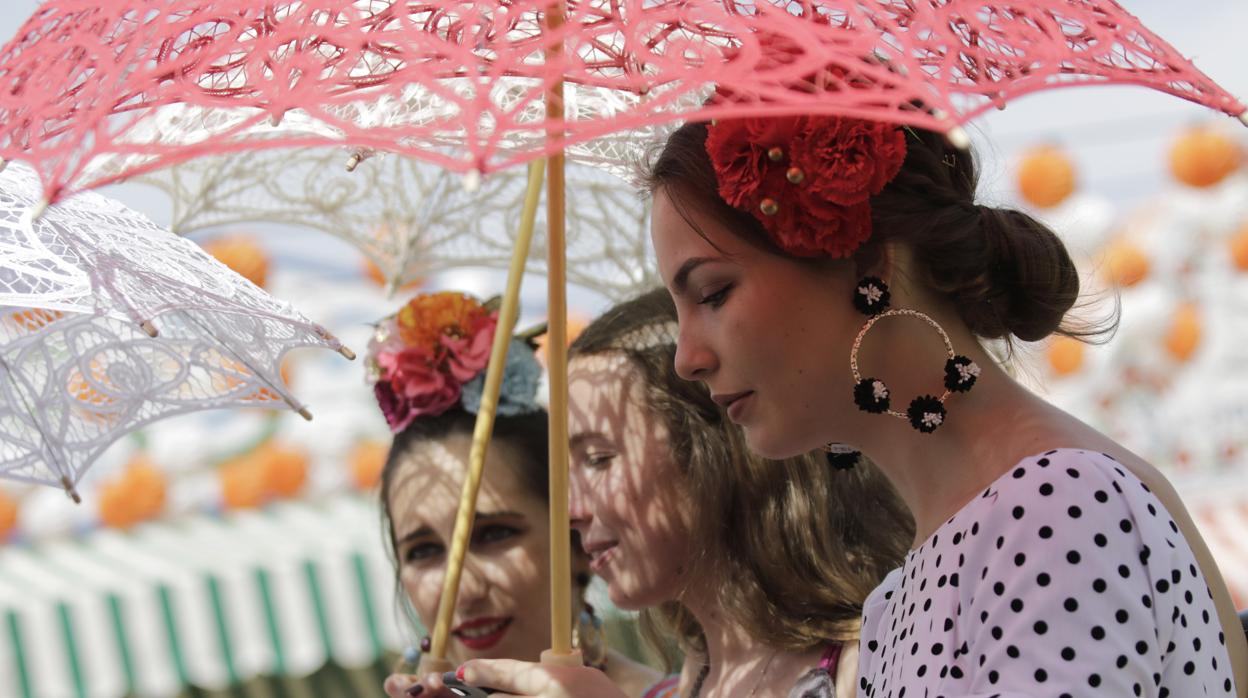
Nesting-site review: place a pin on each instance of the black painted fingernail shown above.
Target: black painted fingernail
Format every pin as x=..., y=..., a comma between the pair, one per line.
x=415, y=690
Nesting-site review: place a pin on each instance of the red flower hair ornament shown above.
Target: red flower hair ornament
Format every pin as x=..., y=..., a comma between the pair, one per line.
x=807, y=179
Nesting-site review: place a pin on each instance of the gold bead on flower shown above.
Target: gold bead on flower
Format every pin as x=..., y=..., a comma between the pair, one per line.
x=795, y=175
x=776, y=154
x=769, y=207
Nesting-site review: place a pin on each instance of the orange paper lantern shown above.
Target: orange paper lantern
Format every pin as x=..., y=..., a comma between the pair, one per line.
x=366, y=462
x=137, y=495
x=146, y=485
x=242, y=484
x=285, y=469
x=1204, y=156
x=1183, y=337
x=1239, y=248
x=8, y=514
x=116, y=507
x=1046, y=177
x=1065, y=355
x=242, y=254
x=1125, y=263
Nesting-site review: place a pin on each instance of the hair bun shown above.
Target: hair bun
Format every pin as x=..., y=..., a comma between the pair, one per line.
x=1014, y=278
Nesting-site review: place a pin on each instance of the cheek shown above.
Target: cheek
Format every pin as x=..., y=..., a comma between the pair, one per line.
x=423, y=589
x=520, y=573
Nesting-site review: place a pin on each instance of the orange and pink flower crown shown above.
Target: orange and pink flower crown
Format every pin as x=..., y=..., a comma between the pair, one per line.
x=431, y=356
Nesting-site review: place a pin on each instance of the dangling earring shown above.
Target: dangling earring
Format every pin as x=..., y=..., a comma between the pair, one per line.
x=926, y=413
x=588, y=637
x=840, y=456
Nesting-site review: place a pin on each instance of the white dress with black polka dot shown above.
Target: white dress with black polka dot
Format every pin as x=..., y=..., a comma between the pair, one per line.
x=1066, y=577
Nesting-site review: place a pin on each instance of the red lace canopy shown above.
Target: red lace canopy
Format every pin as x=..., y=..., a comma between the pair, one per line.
x=92, y=91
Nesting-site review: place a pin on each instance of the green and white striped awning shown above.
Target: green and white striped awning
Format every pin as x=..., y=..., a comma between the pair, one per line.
x=205, y=601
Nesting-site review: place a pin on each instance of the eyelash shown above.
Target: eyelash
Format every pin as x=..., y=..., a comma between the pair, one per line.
x=598, y=461
x=717, y=298
x=486, y=535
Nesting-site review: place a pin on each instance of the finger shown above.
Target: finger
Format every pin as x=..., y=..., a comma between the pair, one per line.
x=396, y=685
x=506, y=676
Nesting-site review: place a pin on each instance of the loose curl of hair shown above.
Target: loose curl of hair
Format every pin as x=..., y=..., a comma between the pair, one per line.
x=793, y=546
x=1007, y=274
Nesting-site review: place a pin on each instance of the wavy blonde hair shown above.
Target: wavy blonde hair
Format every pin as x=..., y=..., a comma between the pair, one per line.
x=795, y=546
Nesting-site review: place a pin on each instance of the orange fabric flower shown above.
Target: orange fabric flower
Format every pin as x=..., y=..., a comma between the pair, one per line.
x=427, y=318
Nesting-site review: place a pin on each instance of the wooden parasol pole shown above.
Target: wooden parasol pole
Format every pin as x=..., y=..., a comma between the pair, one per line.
x=435, y=661
x=560, y=651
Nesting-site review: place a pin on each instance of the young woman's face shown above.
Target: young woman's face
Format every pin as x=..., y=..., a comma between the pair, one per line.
x=625, y=500
x=503, y=608
x=769, y=336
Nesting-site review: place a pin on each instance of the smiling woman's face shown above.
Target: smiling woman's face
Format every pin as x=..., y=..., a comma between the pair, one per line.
x=625, y=500
x=503, y=608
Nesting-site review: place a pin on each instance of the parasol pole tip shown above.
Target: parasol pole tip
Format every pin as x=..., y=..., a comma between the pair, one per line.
x=3, y=164
x=573, y=658
x=70, y=490
x=958, y=138
x=149, y=328
x=39, y=209
x=354, y=161
x=472, y=180
x=303, y=412
x=346, y=352
x=1243, y=118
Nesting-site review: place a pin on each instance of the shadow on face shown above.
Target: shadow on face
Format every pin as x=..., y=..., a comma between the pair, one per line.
x=503, y=606
x=626, y=500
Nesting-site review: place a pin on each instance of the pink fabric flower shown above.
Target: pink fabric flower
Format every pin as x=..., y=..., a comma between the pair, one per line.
x=468, y=356
x=413, y=385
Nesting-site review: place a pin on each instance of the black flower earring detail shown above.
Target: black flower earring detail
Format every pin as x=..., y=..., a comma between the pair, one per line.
x=927, y=412
x=871, y=296
x=840, y=456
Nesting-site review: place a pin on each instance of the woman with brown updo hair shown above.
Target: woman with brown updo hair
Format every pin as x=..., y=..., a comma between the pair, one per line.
x=758, y=569
x=836, y=282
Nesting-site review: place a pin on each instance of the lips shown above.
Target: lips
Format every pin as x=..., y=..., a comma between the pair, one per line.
x=725, y=400
x=600, y=553
x=481, y=633
x=733, y=403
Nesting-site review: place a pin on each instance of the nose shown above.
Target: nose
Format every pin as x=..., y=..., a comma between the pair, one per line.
x=473, y=586
x=578, y=502
x=694, y=359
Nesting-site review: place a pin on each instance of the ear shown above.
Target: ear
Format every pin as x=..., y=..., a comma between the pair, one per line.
x=879, y=260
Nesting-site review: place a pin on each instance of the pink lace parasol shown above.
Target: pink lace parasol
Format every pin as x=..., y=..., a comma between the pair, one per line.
x=92, y=91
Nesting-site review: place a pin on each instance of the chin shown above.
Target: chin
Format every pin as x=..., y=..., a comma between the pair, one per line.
x=632, y=599
x=774, y=444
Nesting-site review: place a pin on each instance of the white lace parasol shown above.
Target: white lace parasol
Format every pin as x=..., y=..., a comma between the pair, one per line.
x=413, y=218
x=108, y=322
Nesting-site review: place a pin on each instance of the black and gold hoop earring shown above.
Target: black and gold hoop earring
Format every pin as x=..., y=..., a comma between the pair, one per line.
x=925, y=413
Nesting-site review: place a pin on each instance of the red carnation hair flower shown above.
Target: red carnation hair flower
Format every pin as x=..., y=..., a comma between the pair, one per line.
x=807, y=179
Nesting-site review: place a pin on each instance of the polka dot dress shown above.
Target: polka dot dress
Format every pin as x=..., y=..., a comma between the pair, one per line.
x=1066, y=577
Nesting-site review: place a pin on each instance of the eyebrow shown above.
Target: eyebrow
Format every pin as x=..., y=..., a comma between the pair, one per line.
x=481, y=517
x=581, y=437
x=681, y=279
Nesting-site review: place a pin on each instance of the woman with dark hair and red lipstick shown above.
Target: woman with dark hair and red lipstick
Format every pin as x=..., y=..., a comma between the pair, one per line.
x=428, y=364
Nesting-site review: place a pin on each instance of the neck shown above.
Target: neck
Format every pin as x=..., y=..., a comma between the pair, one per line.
x=735, y=659
x=987, y=431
